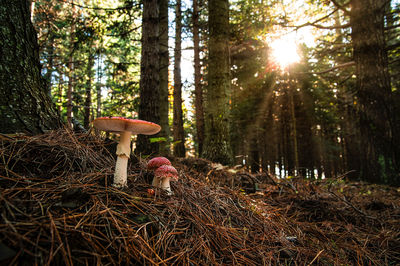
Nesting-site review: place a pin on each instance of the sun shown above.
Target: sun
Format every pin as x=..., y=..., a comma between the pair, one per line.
x=284, y=51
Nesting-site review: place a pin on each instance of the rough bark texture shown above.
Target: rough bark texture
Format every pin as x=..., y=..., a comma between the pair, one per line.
x=217, y=145
x=149, y=107
x=373, y=88
x=24, y=104
x=179, y=137
x=198, y=90
x=164, y=63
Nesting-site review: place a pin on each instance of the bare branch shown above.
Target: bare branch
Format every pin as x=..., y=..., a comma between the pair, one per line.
x=330, y=27
x=98, y=8
x=344, y=65
x=315, y=23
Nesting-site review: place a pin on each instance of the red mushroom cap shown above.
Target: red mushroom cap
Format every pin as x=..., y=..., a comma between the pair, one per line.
x=119, y=124
x=156, y=162
x=166, y=171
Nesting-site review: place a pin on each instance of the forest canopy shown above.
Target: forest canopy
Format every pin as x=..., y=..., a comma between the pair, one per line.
x=294, y=88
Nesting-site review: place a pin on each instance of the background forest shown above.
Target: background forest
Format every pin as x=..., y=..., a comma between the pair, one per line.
x=313, y=88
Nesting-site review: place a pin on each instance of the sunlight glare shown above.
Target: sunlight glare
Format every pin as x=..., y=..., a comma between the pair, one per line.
x=284, y=52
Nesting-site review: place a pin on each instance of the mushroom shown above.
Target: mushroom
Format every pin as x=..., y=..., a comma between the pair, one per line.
x=125, y=127
x=165, y=173
x=155, y=163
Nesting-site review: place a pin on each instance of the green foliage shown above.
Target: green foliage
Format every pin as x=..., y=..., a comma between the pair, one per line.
x=109, y=31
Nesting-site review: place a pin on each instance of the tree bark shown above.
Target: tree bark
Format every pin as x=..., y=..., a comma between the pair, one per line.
x=198, y=90
x=24, y=104
x=373, y=89
x=217, y=143
x=164, y=93
x=179, y=137
x=149, y=107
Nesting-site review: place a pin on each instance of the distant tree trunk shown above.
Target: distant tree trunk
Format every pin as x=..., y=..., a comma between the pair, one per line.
x=293, y=126
x=88, y=99
x=198, y=90
x=254, y=153
x=149, y=106
x=24, y=104
x=98, y=86
x=373, y=89
x=179, y=137
x=217, y=144
x=164, y=63
x=50, y=60
x=70, y=90
x=60, y=89
x=71, y=67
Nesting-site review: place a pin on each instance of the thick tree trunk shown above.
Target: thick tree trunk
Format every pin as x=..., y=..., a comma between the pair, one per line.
x=164, y=63
x=149, y=106
x=198, y=90
x=217, y=144
x=24, y=104
x=373, y=89
x=179, y=137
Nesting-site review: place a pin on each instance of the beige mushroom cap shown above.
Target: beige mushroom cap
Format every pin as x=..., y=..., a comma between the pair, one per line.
x=120, y=124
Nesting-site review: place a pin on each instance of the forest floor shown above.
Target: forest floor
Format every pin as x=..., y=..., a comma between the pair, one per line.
x=58, y=207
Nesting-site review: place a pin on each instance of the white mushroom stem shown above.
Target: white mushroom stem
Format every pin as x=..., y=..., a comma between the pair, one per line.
x=165, y=184
x=156, y=182
x=123, y=153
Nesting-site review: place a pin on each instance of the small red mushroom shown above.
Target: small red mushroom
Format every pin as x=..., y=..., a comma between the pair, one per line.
x=165, y=173
x=125, y=127
x=155, y=163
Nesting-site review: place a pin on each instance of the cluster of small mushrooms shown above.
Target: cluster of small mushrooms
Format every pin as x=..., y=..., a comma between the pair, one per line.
x=160, y=166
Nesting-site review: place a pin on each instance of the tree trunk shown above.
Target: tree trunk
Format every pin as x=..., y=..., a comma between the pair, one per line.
x=373, y=89
x=164, y=63
x=217, y=144
x=293, y=124
x=149, y=106
x=24, y=104
x=179, y=138
x=60, y=89
x=198, y=90
x=71, y=67
x=88, y=99
x=98, y=85
x=50, y=63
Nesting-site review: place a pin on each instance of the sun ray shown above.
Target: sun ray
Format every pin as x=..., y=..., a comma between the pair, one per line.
x=284, y=51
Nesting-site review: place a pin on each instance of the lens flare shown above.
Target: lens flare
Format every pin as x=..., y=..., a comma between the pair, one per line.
x=284, y=52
